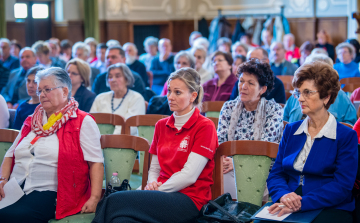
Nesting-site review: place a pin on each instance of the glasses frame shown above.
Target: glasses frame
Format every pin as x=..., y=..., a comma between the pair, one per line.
x=47, y=90
x=297, y=94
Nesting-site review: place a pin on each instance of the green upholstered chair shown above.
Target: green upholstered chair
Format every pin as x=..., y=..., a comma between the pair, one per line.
x=212, y=108
x=146, y=127
x=7, y=138
x=107, y=122
x=252, y=161
x=119, y=154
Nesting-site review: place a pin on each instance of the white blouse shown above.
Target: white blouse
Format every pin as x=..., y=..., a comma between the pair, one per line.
x=4, y=113
x=328, y=131
x=134, y=104
x=37, y=164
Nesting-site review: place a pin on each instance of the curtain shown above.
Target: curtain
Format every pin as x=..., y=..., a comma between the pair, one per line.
x=91, y=20
x=2, y=19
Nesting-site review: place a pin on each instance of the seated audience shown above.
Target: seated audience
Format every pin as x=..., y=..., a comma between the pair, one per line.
x=15, y=48
x=224, y=44
x=27, y=108
x=193, y=36
x=100, y=62
x=292, y=52
x=162, y=65
x=112, y=42
x=278, y=92
x=247, y=40
x=278, y=64
x=356, y=45
x=239, y=49
x=114, y=55
x=4, y=111
x=180, y=174
x=15, y=91
x=238, y=60
x=56, y=156
x=346, y=67
x=324, y=42
x=266, y=38
x=82, y=51
x=42, y=52
x=133, y=63
x=120, y=100
x=66, y=50
x=200, y=54
x=355, y=95
x=257, y=118
x=92, y=43
x=10, y=62
x=342, y=108
x=79, y=73
x=151, y=49
x=327, y=179
x=219, y=88
x=55, y=53
x=160, y=104
x=305, y=49
x=4, y=74
x=205, y=43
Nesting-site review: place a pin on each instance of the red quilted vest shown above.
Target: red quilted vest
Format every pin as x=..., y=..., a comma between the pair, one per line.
x=73, y=171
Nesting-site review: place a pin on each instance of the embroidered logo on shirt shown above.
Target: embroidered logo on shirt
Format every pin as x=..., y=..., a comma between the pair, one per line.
x=184, y=144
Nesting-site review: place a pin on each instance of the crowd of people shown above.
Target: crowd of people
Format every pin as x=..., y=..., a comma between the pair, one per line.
x=57, y=158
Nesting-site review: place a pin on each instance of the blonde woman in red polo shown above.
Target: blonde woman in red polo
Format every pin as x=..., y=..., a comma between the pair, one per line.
x=181, y=169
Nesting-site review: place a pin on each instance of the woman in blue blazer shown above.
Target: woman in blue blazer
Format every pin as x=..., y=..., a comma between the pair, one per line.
x=317, y=159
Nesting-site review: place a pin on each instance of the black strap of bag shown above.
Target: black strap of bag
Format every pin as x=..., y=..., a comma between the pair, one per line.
x=213, y=203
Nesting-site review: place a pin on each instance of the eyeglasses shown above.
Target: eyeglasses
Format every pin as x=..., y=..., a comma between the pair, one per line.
x=306, y=93
x=46, y=90
x=216, y=61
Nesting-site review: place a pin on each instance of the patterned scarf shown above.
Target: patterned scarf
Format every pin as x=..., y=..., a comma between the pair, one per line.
x=55, y=121
x=259, y=123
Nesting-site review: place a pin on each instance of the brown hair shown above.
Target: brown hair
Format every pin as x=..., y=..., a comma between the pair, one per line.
x=83, y=68
x=325, y=77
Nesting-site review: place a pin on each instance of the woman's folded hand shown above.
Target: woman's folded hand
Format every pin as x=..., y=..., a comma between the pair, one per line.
x=281, y=208
x=2, y=193
x=153, y=186
x=291, y=200
x=90, y=205
x=227, y=164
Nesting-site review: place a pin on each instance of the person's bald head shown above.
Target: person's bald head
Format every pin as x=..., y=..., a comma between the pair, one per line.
x=258, y=53
x=165, y=46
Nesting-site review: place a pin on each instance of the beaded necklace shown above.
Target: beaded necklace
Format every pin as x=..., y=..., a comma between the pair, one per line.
x=112, y=102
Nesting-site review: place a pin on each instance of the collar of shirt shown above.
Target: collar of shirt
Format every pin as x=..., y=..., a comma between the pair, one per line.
x=328, y=130
x=45, y=118
x=278, y=64
x=171, y=121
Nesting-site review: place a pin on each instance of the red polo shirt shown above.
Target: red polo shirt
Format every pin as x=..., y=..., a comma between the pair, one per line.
x=173, y=147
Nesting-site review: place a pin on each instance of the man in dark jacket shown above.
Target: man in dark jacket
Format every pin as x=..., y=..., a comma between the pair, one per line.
x=9, y=61
x=114, y=55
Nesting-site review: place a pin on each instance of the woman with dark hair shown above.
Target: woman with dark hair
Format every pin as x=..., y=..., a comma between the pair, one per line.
x=255, y=117
x=317, y=161
x=28, y=107
x=220, y=87
x=324, y=42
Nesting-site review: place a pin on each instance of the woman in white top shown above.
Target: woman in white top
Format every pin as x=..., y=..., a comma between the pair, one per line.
x=120, y=100
x=200, y=53
x=4, y=113
x=56, y=159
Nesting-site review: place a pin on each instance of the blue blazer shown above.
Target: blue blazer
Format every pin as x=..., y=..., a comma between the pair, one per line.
x=329, y=172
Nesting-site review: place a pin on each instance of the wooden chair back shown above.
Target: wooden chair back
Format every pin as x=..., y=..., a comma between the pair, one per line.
x=142, y=120
x=285, y=123
x=282, y=105
x=7, y=138
x=212, y=108
x=215, y=121
x=287, y=81
x=129, y=142
x=351, y=87
x=109, y=119
x=240, y=147
x=350, y=80
x=347, y=124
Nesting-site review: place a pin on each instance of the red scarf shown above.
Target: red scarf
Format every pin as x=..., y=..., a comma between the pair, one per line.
x=67, y=111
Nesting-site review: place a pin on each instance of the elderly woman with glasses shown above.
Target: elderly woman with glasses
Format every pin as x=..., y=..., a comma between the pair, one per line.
x=220, y=87
x=120, y=100
x=56, y=160
x=347, y=67
x=317, y=161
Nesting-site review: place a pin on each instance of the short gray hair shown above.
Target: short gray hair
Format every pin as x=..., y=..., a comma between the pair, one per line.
x=25, y=49
x=319, y=57
x=112, y=42
x=290, y=35
x=346, y=45
x=59, y=75
x=130, y=44
x=6, y=40
x=151, y=41
x=202, y=41
x=319, y=51
x=91, y=40
x=236, y=44
x=224, y=41
x=83, y=46
x=129, y=77
x=199, y=47
x=187, y=55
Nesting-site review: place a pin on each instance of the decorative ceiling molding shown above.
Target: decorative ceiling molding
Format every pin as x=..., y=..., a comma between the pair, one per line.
x=271, y=4
x=162, y=7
